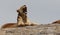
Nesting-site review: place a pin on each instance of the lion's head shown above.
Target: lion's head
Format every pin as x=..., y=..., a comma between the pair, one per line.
x=22, y=9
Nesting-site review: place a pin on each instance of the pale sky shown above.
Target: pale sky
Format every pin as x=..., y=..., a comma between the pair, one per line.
x=40, y=11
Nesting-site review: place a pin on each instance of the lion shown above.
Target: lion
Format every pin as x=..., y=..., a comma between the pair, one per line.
x=22, y=19
x=9, y=25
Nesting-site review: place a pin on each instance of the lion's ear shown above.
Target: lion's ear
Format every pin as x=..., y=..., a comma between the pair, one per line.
x=17, y=10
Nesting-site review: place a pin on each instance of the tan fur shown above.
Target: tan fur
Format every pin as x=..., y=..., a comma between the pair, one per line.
x=9, y=25
x=22, y=16
x=13, y=25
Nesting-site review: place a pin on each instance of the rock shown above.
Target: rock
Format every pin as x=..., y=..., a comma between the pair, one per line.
x=56, y=22
x=47, y=29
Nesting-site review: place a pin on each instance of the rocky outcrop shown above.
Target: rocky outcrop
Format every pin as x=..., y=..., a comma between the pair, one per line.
x=25, y=27
x=47, y=29
x=56, y=22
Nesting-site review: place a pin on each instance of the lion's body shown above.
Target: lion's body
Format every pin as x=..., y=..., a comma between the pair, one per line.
x=9, y=25
x=13, y=25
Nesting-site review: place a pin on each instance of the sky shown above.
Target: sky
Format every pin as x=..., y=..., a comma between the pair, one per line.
x=40, y=11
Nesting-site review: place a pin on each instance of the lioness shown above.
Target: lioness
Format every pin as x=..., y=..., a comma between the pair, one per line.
x=22, y=19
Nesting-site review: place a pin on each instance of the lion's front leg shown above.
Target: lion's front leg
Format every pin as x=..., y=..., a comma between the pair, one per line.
x=28, y=23
x=20, y=21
